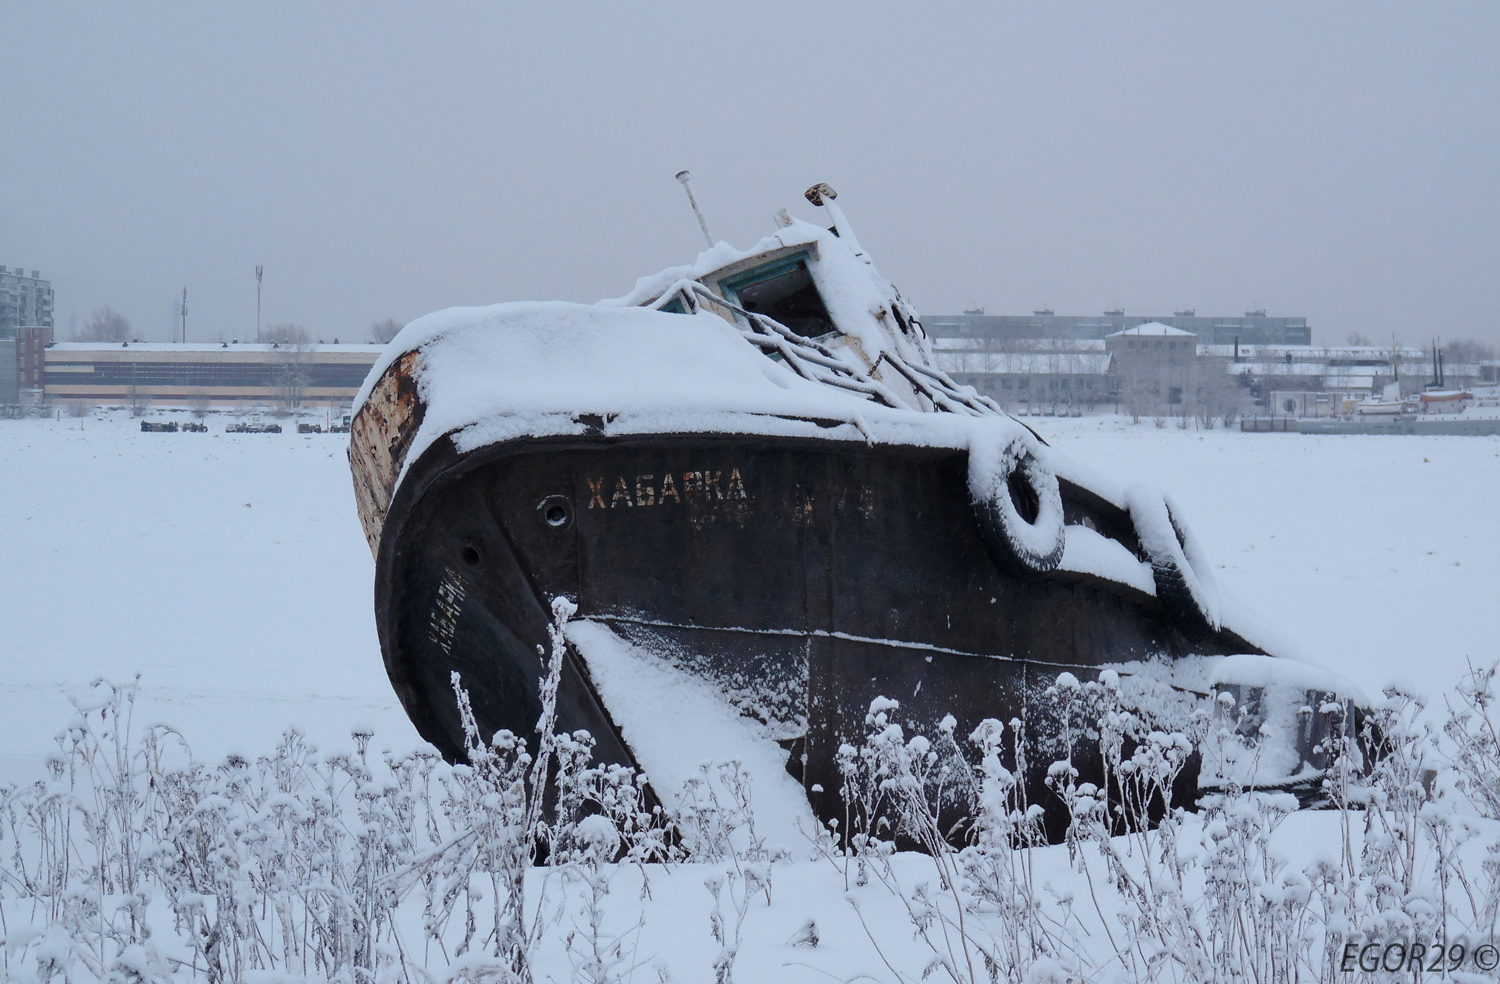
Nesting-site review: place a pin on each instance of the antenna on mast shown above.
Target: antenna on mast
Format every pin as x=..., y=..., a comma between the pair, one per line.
x=702, y=223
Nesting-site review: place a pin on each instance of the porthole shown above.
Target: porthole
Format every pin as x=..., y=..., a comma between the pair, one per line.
x=555, y=512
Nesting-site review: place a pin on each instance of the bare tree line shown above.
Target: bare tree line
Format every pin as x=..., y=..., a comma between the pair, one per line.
x=104, y=325
x=108, y=325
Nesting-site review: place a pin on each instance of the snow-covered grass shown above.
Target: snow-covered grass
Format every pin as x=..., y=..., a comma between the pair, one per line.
x=129, y=552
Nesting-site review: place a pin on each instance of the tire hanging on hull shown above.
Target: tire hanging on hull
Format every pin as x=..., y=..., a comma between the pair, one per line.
x=1018, y=506
x=1184, y=583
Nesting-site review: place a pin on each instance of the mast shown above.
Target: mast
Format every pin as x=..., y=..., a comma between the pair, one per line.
x=702, y=222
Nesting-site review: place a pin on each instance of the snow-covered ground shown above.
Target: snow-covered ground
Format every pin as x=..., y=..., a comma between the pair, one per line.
x=229, y=569
x=230, y=572
x=1379, y=555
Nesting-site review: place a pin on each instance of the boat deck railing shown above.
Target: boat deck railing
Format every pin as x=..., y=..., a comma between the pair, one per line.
x=815, y=361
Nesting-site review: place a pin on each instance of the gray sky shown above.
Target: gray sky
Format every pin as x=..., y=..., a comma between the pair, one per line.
x=1336, y=161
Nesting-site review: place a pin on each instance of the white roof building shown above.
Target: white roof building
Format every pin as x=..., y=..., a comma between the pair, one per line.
x=1154, y=329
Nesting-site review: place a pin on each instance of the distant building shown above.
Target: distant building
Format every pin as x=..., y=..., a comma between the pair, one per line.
x=1088, y=360
x=10, y=371
x=1153, y=342
x=228, y=373
x=1153, y=364
x=25, y=332
x=1144, y=365
x=1074, y=373
x=1353, y=371
x=1255, y=328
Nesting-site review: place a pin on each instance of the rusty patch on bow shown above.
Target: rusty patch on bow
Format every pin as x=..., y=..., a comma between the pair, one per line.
x=379, y=438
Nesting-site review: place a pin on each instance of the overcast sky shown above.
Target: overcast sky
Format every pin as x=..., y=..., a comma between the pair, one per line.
x=1332, y=161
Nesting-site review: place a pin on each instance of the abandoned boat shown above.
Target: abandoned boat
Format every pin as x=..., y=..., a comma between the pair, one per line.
x=755, y=484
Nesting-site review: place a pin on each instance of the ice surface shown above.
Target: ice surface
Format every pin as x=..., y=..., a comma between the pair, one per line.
x=362, y=348
x=136, y=552
x=1369, y=555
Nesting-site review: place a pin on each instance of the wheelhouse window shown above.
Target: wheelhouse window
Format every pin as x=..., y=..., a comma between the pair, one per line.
x=784, y=291
x=674, y=306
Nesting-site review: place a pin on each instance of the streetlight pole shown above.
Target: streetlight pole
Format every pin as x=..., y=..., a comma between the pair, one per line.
x=259, y=270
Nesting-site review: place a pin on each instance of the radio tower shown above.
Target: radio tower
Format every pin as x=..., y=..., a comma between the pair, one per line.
x=258, y=271
x=184, y=315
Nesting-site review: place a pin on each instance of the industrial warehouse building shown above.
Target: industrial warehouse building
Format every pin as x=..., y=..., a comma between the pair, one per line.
x=217, y=374
x=1074, y=373
x=1001, y=331
x=1148, y=367
x=1085, y=361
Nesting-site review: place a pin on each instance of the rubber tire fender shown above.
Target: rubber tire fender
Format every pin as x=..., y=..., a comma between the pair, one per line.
x=1184, y=587
x=1017, y=506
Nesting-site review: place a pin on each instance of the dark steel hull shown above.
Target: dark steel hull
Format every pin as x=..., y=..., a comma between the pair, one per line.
x=805, y=577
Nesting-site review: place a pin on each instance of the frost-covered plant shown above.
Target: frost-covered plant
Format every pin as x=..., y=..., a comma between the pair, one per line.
x=1176, y=896
x=82, y=843
x=598, y=956
x=714, y=819
x=131, y=861
x=1472, y=728
x=715, y=824
x=1403, y=874
x=1398, y=875
x=299, y=862
x=1146, y=865
x=736, y=886
x=982, y=917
